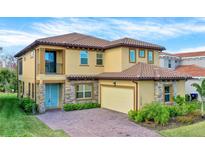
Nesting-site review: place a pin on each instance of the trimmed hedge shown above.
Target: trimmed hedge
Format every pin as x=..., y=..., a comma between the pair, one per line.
x=28, y=105
x=80, y=106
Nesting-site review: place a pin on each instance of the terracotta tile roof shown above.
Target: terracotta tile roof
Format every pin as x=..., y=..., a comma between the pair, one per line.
x=143, y=71
x=190, y=54
x=68, y=40
x=192, y=70
x=140, y=71
x=133, y=43
x=86, y=41
x=81, y=76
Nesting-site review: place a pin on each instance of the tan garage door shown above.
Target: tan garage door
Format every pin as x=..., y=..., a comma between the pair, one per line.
x=119, y=99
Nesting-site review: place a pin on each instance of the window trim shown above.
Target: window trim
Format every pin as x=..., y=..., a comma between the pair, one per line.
x=170, y=92
x=84, y=98
x=29, y=89
x=100, y=58
x=169, y=63
x=131, y=49
x=20, y=69
x=144, y=53
x=87, y=58
x=32, y=88
x=150, y=62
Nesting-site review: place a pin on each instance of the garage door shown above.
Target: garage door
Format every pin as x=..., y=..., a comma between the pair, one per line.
x=119, y=99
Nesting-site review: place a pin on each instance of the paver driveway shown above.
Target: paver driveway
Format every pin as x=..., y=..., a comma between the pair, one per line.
x=94, y=122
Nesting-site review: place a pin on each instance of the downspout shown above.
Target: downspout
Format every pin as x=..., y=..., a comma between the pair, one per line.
x=136, y=96
x=17, y=79
x=35, y=74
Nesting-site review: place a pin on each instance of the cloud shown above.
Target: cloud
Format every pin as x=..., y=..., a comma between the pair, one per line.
x=114, y=28
x=16, y=38
x=194, y=49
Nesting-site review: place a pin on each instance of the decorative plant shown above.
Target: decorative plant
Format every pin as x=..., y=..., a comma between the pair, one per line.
x=201, y=90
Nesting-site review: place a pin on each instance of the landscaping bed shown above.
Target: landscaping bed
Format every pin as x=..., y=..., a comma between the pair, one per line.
x=159, y=116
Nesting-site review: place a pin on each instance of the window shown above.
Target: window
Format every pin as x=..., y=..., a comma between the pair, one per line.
x=50, y=62
x=20, y=67
x=32, y=95
x=169, y=64
x=29, y=89
x=150, y=57
x=167, y=93
x=132, y=56
x=99, y=58
x=84, y=58
x=84, y=91
x=142, y=53
x=22, y=88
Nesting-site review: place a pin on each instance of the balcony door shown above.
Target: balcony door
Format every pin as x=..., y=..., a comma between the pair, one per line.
x=50, y=62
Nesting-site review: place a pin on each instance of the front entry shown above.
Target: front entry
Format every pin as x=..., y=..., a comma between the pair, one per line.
x=52, y=96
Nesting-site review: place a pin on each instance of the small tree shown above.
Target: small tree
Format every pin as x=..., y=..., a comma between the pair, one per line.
x=201, y=90
x=8, y=80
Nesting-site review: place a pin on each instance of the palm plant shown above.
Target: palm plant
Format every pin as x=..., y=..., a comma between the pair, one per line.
x=201, y=90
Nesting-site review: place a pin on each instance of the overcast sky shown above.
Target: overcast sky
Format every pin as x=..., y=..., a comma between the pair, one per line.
x=176, y=34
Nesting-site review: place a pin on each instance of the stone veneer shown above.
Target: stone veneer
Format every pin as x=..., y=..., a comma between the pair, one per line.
x=159, y=89
x=70, y=96
x=41, y=98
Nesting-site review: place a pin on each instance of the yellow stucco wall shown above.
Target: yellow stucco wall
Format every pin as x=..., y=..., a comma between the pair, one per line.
x=73, y=63
x=117, y=59
x=113, y=60
x=181, y=87
x=28, y=73
x=145, y=93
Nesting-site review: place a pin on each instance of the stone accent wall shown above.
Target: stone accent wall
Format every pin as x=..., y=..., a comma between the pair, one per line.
x=159, y=91
x=70, y=96
x=41, y=98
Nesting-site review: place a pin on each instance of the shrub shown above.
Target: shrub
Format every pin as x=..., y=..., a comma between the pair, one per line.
x=28, y=105
x=132, y=114
x=179, y=100
x=153, y=112
x=80, y=106
x=172, y=110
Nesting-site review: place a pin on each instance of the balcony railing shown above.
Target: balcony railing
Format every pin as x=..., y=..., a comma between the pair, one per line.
x=53, y=68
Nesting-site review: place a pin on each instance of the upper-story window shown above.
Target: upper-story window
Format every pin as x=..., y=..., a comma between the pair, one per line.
x=99, y=58
x=132, y=56
x=50, y=62
x=84, y=58
x=142, y=53
x=150, y=57
x=169, y=64
x=20, y=67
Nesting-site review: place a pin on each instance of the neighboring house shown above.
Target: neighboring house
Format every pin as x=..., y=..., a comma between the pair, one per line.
x=120, y=75
x=192, y=63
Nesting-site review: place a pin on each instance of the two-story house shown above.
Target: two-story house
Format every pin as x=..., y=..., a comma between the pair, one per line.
x=120, y=75
x=192, y=63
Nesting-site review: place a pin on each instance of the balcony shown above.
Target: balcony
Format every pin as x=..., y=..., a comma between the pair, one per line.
x=53, y=68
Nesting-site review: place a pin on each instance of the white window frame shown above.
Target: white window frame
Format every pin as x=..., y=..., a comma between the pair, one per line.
x=84, y=91
x=100, y=58
x=82, y=57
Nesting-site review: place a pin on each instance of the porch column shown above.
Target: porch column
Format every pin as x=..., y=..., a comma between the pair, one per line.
x=41, y=97
x=158, y=91
x=42, y=61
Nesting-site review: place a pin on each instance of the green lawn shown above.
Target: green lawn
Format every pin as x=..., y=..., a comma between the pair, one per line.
x=194, y=130
x=15, y=123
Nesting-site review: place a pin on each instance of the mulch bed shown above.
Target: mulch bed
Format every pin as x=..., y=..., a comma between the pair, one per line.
x=173, y=123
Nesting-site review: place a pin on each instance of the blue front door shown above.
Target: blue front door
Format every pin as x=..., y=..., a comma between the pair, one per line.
x=52, y=96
